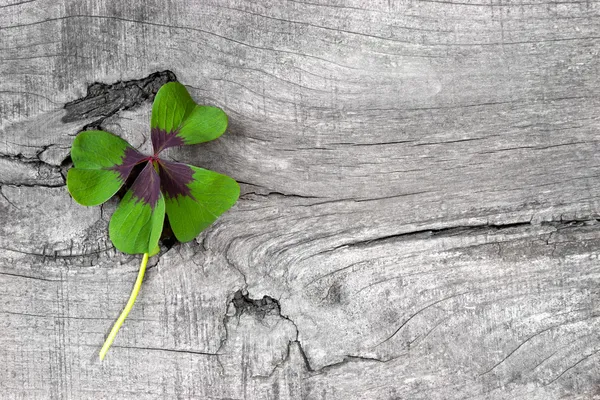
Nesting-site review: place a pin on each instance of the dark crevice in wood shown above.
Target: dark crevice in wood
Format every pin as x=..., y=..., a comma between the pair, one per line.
x=23, y=184
x=8, y=200
x=529, y=338
x=349, y=359
x=203, y=353
x=262, y=191
x=169, y=242
x=260, y=307
x=248, y=195
x=104, y=100
x=70, y=317
x=466, y=230
x=58, y=254
x=315, y=371
x=312, y=370
x=413, y=315
x=44, y=171
x=571, y=223
x=449, y=231
x=572, y=366
x=29, y=277
x=267, y=305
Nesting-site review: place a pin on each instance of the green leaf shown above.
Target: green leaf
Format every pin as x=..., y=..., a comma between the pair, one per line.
x=178, y=120
x=98, y=149
x=203, y=124
x=137, y=224
x=102, y=163
x=195, y=197
x=91, y=187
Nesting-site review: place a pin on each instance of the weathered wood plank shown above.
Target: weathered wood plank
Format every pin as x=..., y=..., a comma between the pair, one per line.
x=419, y=210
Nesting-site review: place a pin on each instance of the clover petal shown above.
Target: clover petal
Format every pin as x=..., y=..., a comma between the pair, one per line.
x=137, y=224
x=194, y=197
x=178, y=120
x=102, y=163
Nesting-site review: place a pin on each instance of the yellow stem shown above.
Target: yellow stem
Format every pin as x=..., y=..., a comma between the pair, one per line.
x=128, y=307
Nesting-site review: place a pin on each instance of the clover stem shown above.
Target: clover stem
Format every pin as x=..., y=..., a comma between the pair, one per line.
x=128, y=307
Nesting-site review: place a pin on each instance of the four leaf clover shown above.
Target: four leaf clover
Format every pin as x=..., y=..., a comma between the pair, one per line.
x=191, y=197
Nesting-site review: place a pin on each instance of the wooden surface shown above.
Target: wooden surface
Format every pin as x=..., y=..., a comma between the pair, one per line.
x=420, y=206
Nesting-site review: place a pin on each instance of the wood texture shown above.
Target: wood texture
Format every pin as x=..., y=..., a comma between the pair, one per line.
x=420, y=206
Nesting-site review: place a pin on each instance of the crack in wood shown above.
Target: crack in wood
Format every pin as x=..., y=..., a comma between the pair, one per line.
x=244, y=304
x=18, y=170
x=195, y=352
x=268, y=305
x=100, y=102
x=456, y=230
x=104, y=100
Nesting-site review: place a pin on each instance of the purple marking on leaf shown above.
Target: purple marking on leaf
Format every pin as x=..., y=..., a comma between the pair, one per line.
x=174, y=178
x=162, y=139
x=146, y=187
x=130, y=160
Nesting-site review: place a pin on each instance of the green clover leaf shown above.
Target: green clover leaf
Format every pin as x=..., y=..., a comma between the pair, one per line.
x=191, y=197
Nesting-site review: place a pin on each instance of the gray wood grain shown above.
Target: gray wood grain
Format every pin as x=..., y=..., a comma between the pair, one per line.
x=419, y=216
